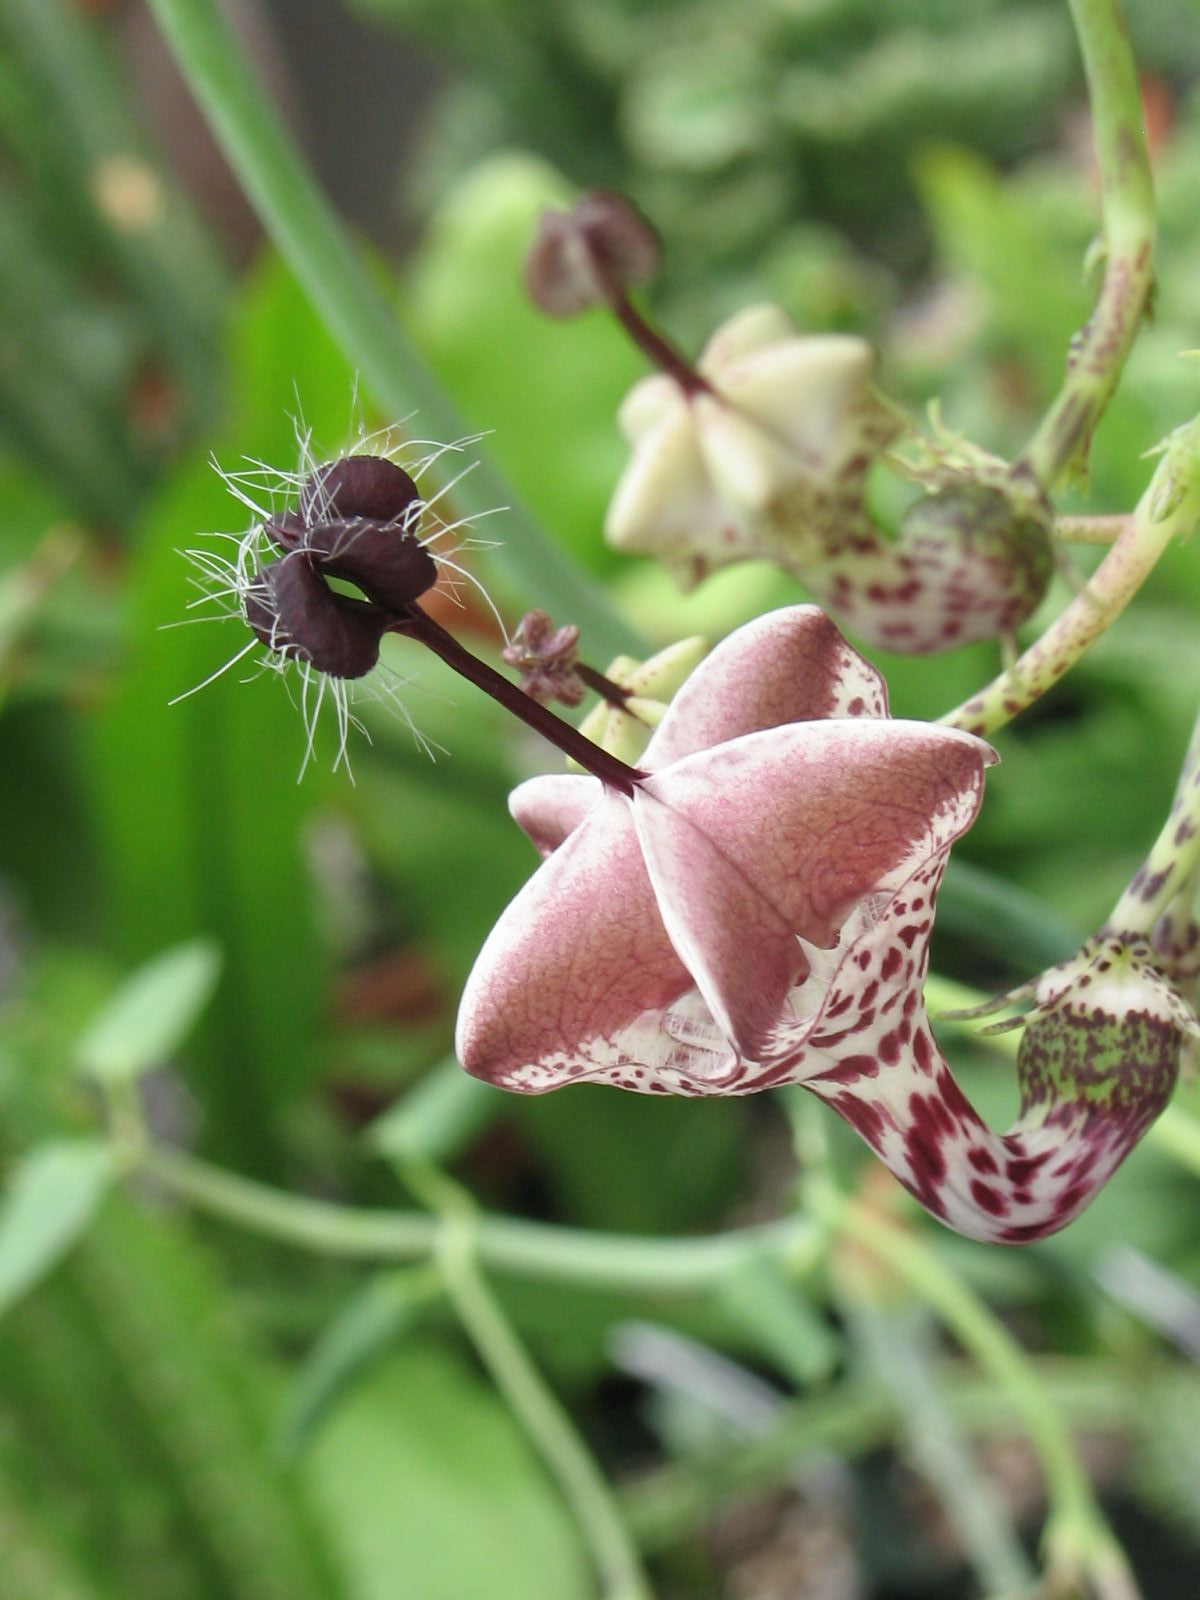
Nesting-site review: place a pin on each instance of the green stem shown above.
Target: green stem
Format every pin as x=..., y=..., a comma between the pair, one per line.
x=506, y=1244
x=1169, y=871
x=1127, y=211
x=512, y=1370
x=1099, y=529
x=1169, y=509
x=1077, y=1537
x=672, y=1502
x=316, y=247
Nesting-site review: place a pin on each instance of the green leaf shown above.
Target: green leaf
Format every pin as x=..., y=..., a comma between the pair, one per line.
x=785, y=1326
x=429, y=1488
x=53, y=1197
x=151, y=1013
x=373, y=1320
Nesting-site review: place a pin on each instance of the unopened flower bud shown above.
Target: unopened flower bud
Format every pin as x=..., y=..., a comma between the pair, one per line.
x=649, y=686
x=293, y=611
x=582, y=257
x=986, y=556
x=546, y=657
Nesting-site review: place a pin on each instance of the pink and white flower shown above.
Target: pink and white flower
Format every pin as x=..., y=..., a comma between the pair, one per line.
x=758, y=913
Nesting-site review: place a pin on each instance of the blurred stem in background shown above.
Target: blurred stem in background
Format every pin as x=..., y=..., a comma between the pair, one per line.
x=1167, y=511
x=327, y=264
x=1126, y=245
x=508, y=1244
x=550, y=1429
x=1079, y=1545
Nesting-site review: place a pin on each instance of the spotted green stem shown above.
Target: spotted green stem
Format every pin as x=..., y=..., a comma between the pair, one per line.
x=1169, y=873
x=1168, y=510
x=1127, y=244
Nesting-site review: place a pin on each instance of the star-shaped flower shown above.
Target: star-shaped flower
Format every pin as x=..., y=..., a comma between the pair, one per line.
x=759, y=913
x=673, y=938
x=767, y=457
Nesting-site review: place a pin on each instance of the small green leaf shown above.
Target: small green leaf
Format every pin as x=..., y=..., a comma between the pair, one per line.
x=427, y=1486
x=150, y=1014
x=785, y=1326
x=54, y=1194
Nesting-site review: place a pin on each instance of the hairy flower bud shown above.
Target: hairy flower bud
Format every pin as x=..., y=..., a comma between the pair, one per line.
x=579, y=258
x=293, y=611
x=356, y=519
x=359, y=486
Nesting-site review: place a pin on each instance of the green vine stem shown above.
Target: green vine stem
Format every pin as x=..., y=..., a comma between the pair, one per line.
x=316, y=247
x=669, y=1503
x=1101, y=529
x=1079, y=1544
x=506, y=1244
x=1127, y=242
x=1169, y=872
x=1169, y=509
x=512, y=1370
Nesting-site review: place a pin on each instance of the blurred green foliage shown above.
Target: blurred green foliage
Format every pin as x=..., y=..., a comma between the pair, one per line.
x=917, y=171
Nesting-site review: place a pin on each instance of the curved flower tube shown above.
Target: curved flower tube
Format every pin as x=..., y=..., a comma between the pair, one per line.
x=759, y=912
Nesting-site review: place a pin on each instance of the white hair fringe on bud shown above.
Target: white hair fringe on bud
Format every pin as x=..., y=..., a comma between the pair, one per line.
x=229, y=565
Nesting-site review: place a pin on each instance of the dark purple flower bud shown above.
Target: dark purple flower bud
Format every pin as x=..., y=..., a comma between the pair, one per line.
x=588, y=255
x=293, y=611
x=358, y=486
x=355, y=518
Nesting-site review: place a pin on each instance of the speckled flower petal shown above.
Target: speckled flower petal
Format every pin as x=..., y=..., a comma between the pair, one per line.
x=776, y=836
x=791, y=665
x=577, y=967
x=870, y=1053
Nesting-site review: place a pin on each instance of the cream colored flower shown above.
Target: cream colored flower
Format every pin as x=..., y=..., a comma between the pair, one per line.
x=766, y=459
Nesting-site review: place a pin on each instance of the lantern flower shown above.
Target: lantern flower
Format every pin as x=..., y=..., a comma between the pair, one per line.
x=757, y=911
x=665, y=941
x=769, y=458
